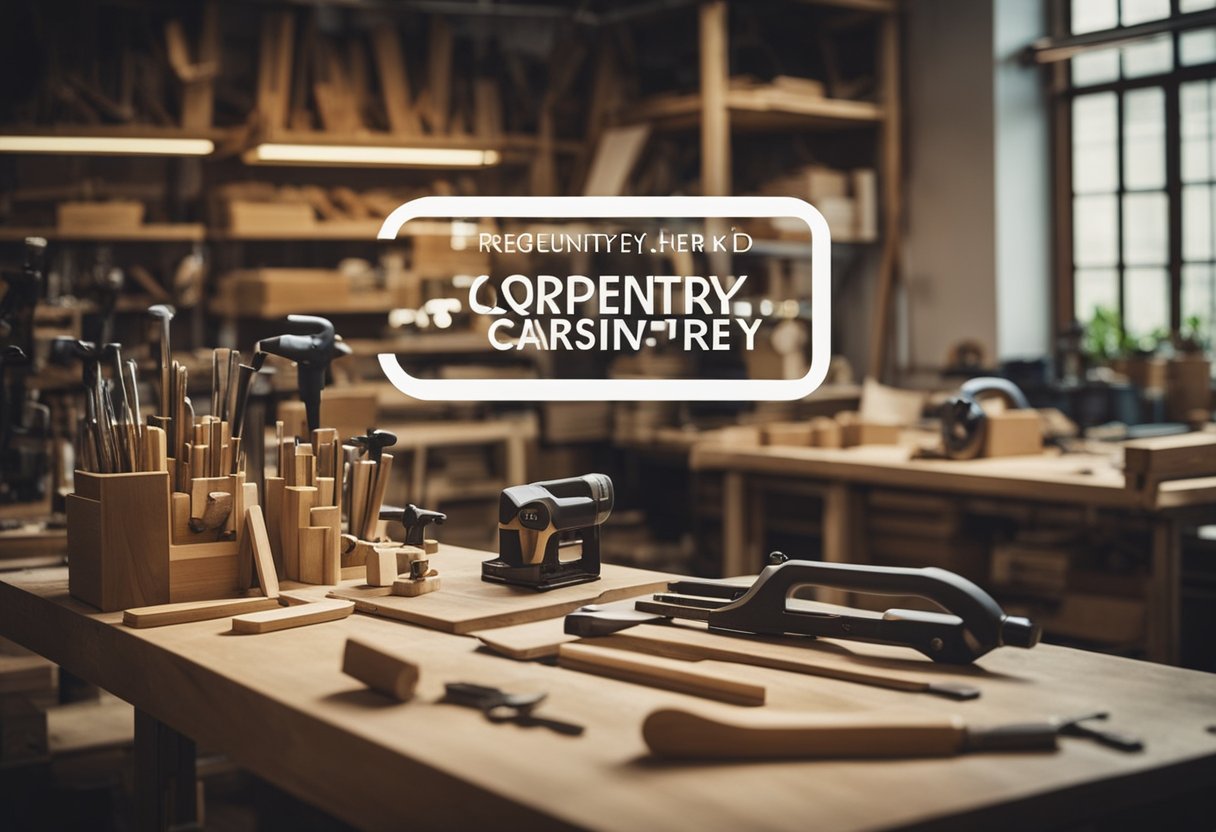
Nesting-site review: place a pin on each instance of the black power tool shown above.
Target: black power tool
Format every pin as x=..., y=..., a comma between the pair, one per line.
x=537, y=522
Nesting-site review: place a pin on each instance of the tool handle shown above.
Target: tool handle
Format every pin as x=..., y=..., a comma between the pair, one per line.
x=683, y=734
x=985, y=624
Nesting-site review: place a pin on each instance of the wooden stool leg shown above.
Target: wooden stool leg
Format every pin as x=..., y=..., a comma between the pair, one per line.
x=166, y=790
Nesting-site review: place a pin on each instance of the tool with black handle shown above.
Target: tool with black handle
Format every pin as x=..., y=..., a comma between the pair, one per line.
x=972, y=625
x=415, y=520
x=312, y=352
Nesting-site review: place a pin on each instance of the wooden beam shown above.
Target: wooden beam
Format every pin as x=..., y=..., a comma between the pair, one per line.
x=892, y=155
x=715, y=117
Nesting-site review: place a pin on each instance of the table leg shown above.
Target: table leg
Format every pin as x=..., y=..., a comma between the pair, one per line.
x=166, y=787
x=734, y=525
x=1164, y=597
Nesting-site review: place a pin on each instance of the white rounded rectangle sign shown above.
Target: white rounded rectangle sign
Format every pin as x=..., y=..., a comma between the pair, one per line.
x=611, y=389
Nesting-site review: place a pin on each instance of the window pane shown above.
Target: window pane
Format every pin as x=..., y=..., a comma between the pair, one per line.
x=1194, y=103
x=1144, y=139
x=1138, y=11
x=1096, y=67
x=1195, y=5
x=1146, y=299
x=1197, y=47
x=1094, y=222
x=1196, y=222
x=1094, y=156
x=1094, y=15
x=1144, y=229
x=1148, y=57
x=1198, y=296
x=1093, y=288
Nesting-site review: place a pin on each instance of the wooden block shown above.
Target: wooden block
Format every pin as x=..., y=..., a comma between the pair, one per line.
x=313, y=542
x=796, y=434
x=202, y=571
x=325, y=492
x=407, y=555
x=360, y=493
x=244, y=561
x=263, y=557
x=179, y=510
x=274, y=515
x=431, y=546
x=655, y=671
x=869, y=433
x=118, y=542
x=413, y=587
x=155, y=449
x=381, y=567
x=1013, y=433
x=297, y=503
x=826, y=433
x=201, y=488
x=161, y=615
x=379, y=669
x=305, y=465
x=378, y=486
x=330, y=517
x=1187, y=454
x=299, y=615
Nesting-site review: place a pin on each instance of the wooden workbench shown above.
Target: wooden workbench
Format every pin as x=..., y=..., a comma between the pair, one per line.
x=278, y=705
x=840, y=475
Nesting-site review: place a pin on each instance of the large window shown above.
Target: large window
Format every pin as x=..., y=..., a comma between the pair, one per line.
x=1142, y=109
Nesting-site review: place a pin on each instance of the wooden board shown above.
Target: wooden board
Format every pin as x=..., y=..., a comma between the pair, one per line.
x=362, y=758
x=658, y=672
x=466, y=602
x=297, y=615
x=162, y=615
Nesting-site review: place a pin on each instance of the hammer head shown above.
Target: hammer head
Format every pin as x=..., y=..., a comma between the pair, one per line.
x=310, y=348
x=415, y=520
x=65, y=350
x=163, y=311
x=374, y=442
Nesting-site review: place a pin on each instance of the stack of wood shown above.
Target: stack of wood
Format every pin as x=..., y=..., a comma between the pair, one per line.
x=304, y=505
x=846, y=429
x=848, y=200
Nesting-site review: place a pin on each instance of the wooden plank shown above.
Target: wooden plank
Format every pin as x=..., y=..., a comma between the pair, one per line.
x=394, y=81
x=715, y=118
x=313, y=541
x=467, y=603
x=439, y=75
x=658, y=672
x=297, y=503
x=371, y=511
x=263, y=554
x=379, y=669
x=161, y=615
x=892, y=190
x=285, y=618
x=329, y=517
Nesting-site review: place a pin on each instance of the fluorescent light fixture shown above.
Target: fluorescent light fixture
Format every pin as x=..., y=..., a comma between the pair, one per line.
x=106, y=145
x=336, y=154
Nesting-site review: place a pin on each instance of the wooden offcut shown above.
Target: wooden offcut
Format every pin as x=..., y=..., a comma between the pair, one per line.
x=285, y=618
x=379, y=669
x=162, y=615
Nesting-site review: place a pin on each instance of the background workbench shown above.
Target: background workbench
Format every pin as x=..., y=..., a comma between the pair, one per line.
x=840, y=478
x=279, y=705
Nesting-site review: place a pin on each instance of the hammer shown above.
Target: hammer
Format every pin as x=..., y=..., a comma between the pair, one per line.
x=312, y=354
x=374, y=442
x=164, y=313
x=65, y=351
x=415, y=521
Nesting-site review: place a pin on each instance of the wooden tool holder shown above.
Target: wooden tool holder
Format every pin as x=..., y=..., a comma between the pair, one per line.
x=130, y=541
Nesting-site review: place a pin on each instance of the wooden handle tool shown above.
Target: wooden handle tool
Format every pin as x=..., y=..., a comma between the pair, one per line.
x=704, y=735
x=658, y=672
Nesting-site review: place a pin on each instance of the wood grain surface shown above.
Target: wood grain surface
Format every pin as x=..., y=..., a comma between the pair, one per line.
x=280, y=706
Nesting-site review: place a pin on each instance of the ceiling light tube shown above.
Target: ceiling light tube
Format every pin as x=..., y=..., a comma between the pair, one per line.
x=334, y=154
x=106, y=145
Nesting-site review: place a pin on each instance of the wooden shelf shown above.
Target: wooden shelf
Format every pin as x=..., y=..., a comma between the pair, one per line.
x=149, y=233
x=768, y=108
x=331, y=230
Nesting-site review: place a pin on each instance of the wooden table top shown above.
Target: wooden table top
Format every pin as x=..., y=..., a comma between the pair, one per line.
x=278, y=704
x=1092, y=479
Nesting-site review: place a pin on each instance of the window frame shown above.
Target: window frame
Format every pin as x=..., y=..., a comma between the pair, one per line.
x=1063, y=93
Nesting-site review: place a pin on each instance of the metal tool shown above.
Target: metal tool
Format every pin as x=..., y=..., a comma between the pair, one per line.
x=964, y=422
x=312, y=354
x=244, y=384
x=374, y=442
x=415, y=520
x=164, y=313
x=972, y=625
x=687, y=734
x=537, y=521
x=500, y=706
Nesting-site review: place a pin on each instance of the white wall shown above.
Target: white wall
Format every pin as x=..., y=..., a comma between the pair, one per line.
x=976, y=252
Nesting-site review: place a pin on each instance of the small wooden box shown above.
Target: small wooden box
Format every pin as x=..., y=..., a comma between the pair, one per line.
x=247, y=217
x=120, y=554
x=1013, y=433
x=118, y=539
